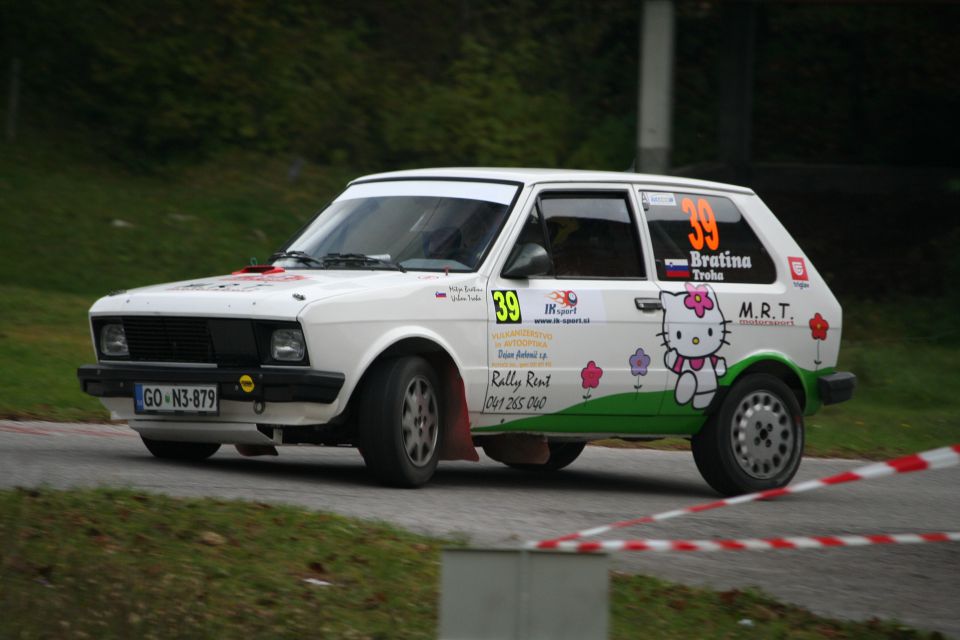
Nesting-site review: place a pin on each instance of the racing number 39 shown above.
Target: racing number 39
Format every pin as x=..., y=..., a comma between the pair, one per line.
x=703, y=223
x=507, y=306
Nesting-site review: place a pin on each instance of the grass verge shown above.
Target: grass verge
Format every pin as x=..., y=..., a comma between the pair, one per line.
x=122, y=564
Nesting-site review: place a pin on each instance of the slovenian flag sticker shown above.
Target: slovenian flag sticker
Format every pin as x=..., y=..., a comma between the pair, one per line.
x=439, y=294
x=677, y=268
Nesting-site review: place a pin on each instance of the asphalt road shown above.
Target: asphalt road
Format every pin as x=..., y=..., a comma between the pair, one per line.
x=495, y=505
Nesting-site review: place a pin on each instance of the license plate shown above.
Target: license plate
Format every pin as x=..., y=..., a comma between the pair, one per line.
x=196, y=399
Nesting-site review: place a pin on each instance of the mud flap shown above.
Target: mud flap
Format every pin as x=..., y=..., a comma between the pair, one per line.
x=457, y=442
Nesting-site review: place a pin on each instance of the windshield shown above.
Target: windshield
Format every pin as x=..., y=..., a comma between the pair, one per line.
x=422, y=225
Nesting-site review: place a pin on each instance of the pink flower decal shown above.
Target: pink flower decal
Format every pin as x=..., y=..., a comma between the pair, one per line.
x=698, y=299
x=591, y=375
x=818, y=327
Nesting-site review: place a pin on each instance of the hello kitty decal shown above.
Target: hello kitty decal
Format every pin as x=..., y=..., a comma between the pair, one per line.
x=694, y=330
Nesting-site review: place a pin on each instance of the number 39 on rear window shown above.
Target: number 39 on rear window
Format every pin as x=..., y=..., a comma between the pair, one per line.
x=507, y=306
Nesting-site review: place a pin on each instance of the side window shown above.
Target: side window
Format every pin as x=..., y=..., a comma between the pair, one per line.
x=589, y=235
x=704, y=238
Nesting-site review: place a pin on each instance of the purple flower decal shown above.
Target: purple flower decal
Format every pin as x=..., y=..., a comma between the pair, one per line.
x=590, y=375
x=698, y=299
x=639, y=362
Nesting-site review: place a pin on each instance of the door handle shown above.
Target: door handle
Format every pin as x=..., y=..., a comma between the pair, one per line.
x=648, y=304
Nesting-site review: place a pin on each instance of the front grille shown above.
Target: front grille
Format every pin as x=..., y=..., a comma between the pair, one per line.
x=167, y=339
x=226, y=342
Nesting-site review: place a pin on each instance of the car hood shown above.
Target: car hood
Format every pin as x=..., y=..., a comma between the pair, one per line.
x=269, y=295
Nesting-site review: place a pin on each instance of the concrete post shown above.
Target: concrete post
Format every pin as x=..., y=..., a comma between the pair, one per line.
x=655, y=99
x=523, y=594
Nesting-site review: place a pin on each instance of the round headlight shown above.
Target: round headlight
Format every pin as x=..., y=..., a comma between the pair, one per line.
x=287, y=345
x=113, y=341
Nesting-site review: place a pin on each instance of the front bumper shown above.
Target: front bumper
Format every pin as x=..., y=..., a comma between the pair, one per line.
x=836, y=387
x=269, y=385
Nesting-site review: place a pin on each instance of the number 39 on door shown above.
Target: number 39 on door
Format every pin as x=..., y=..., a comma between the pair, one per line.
x=507, y=306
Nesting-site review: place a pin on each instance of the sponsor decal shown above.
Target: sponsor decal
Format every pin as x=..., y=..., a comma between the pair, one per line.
x=566, y=299
x=517, y=391
x=551, y=306
x=766, y=314
x=662, y=199
x=561, y=304
x=266, y=277
x=246, y=383
x=798, y=271
x=798, y=268
x=241, y=283
x=677, y=268
x=217, y=287
x=704, y=266
x=521, y=348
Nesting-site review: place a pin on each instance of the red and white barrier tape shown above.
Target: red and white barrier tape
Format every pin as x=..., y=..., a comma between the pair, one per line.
x=756, y=544
x=933, y=459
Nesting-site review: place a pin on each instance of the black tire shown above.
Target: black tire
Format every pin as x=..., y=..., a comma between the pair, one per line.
x=755, y=441
x=170, y=450
x=561, y=455
x=400, y=422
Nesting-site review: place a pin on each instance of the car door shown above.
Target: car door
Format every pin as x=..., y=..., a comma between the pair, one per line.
x=722, y=302
x=578, y=340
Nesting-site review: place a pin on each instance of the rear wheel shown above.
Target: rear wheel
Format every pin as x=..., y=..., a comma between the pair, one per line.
x=399, y=422
x=170, y=450
x=561, y=455
x=755, y=441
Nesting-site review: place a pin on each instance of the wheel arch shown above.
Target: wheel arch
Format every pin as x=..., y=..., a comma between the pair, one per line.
x=457, y=442
x=782, y=368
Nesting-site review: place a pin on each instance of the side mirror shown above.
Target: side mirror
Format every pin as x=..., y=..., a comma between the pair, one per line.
x=530, y=260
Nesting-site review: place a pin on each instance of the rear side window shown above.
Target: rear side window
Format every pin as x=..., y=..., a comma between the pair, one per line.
x=591, y=235
x=704, y=238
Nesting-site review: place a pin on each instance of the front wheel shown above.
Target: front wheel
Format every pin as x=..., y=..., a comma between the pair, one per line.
x=170, y=450
x=399, y=422
x=755, y=441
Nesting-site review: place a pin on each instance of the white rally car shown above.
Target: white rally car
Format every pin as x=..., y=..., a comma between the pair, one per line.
x=425, y=313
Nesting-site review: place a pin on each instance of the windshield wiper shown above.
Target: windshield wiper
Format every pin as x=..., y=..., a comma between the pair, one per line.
x=361, y=259
x=300, y=256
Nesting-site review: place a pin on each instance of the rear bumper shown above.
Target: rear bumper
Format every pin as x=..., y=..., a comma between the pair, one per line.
x=270, y=385
x=836, y=387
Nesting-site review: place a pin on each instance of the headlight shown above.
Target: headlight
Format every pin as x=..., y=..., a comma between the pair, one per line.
x=113, y=341
x=287, y=345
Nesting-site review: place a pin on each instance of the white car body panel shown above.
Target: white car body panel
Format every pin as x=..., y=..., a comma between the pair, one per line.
x=349, y=317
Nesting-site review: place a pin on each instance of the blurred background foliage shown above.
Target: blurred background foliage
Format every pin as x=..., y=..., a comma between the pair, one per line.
x=378, y=85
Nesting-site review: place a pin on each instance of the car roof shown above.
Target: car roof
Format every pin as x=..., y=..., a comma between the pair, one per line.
x=540, y=176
